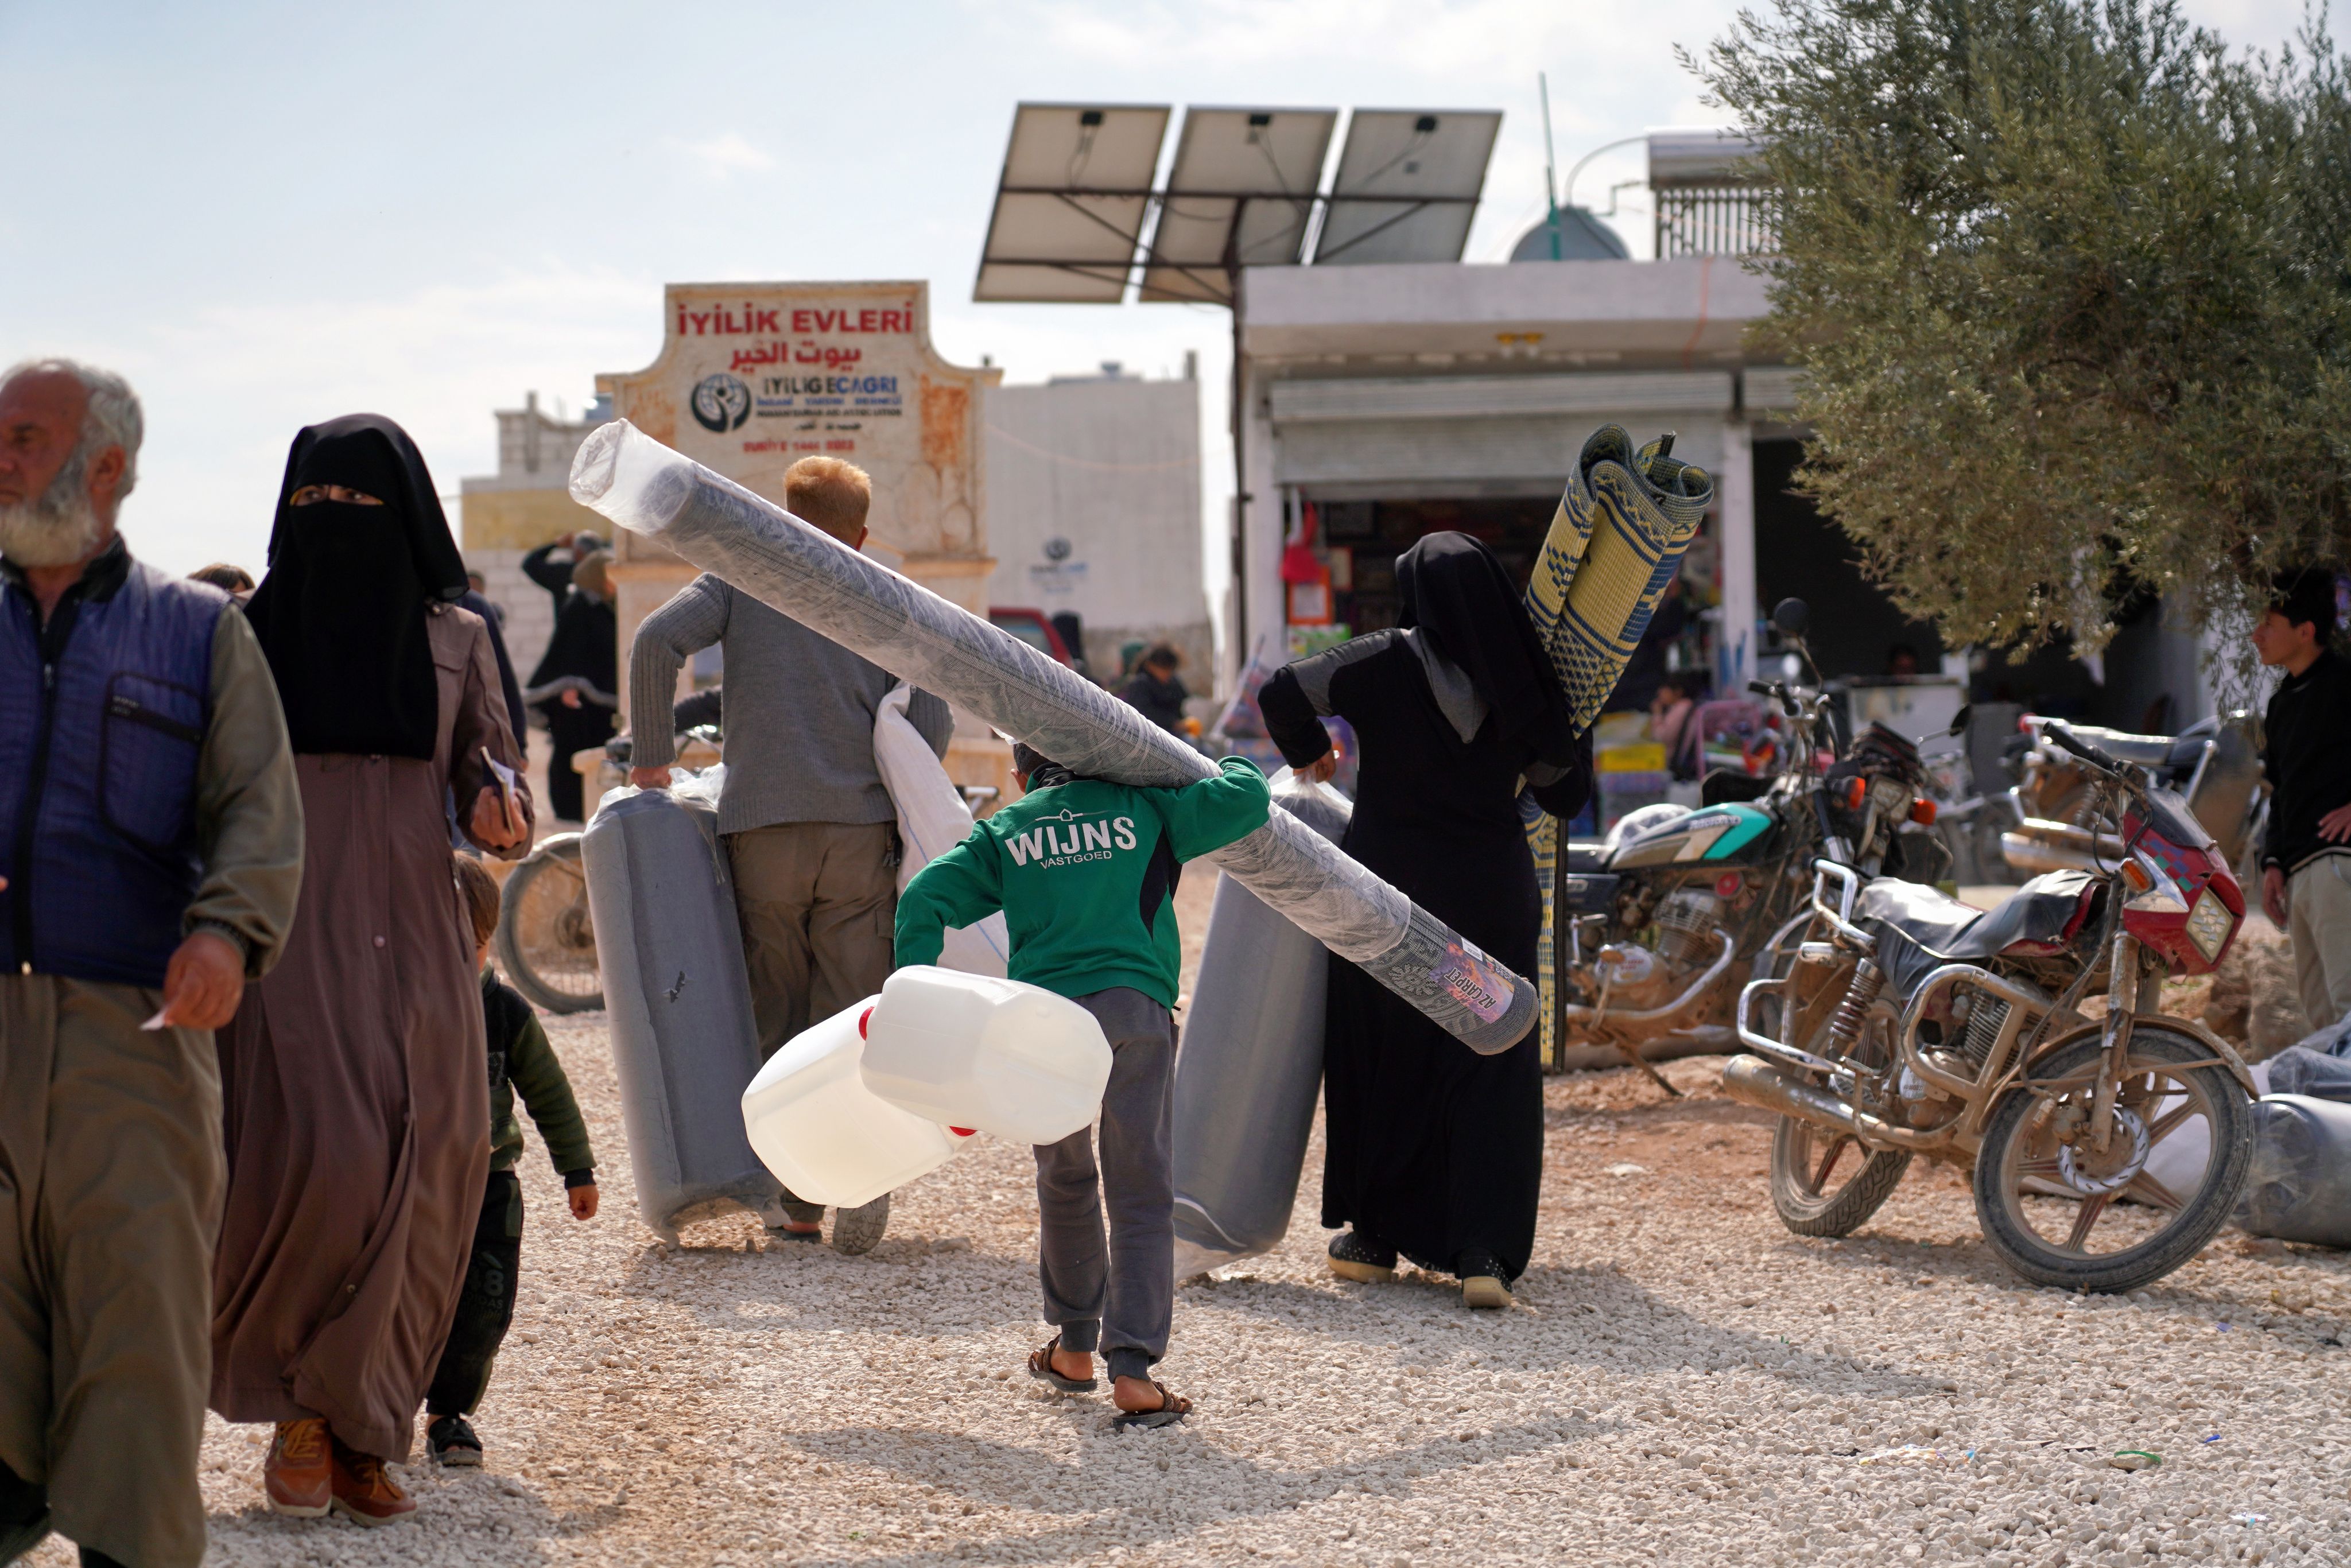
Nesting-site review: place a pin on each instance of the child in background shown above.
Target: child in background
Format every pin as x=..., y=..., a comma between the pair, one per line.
x=1085, y=872
x=519, y=1059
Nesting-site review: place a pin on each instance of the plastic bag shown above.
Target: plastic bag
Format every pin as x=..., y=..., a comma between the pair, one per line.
x=932, y=819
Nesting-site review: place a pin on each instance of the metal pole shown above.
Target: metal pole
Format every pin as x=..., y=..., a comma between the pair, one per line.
x=1242, y=651
x=1551, y=166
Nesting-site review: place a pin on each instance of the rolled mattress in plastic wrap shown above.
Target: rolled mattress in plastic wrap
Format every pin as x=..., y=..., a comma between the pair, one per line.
x=2299, y=1188
x=679, y=999
x=1250, y=1063
x=765, y=551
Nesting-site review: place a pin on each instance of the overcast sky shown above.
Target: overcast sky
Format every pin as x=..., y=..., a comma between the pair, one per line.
x=270, y=215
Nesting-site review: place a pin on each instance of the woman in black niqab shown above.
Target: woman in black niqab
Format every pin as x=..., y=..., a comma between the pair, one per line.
x=1457, y=595
x=355, y=1112
x=341, y=612
x=1433, y=1151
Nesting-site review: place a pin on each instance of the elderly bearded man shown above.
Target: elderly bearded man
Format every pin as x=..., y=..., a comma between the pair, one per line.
x=150, y=839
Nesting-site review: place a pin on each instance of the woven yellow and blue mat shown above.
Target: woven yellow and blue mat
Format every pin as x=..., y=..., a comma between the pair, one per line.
x=1614, y=544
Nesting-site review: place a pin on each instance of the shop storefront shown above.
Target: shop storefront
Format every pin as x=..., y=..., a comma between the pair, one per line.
x=1384, y=403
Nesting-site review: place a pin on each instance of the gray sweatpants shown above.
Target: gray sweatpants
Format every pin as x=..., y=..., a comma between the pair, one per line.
x=1118, y=1298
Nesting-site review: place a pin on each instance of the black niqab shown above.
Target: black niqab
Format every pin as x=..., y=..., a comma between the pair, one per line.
x=1459, y=597
x=341, y=612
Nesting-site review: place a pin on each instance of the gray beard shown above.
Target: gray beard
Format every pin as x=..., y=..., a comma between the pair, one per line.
x=57, y=528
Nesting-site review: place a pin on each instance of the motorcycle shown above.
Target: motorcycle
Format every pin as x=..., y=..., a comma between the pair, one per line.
x=1912, y=1023
x=1971, y=823
x=2214, y=765
x=1659, y=922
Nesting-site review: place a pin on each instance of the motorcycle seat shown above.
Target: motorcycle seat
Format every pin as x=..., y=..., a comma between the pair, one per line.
x=1586, y=855
x=2145, y=751
x=1920, y=929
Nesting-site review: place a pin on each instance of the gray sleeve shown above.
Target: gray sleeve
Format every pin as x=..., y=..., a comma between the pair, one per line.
x=249, y=804
x=691, y=620
x=931, y=718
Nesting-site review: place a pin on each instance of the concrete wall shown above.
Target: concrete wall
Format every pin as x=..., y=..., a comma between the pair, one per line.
x=1093, y=505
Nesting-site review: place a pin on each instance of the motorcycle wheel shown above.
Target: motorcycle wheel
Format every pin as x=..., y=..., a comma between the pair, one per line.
x=546, y=942
x=1806, y=1156
x=2086, y=1240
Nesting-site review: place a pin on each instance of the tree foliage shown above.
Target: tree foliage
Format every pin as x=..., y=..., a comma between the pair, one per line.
x=2072, y=284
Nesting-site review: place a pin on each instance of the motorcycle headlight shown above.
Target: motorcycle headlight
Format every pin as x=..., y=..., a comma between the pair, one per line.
x=2208, y=924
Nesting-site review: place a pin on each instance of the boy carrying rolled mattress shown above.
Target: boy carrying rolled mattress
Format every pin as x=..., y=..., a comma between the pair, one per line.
x=1085, y=873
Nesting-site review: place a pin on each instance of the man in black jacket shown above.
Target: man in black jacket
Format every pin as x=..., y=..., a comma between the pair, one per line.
x=2306, y=858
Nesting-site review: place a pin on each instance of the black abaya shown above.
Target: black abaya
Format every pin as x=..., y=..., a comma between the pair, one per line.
x=1432, y=1149
x=586, y=646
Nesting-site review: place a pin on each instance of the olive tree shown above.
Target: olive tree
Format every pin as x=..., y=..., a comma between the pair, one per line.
x=2072, y=283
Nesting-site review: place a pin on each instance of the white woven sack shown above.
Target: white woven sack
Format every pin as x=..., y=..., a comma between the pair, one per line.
x=932, y=819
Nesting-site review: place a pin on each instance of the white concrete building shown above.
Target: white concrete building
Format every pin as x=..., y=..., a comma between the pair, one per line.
x=527, y=503
x=1094, y=506
x=1398, y=399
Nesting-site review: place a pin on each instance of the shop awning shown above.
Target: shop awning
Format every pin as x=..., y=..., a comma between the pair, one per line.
x=1471, y=434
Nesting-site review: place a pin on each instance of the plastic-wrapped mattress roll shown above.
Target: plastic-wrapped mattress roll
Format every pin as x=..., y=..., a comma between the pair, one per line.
x=684, y=1041
x=1250, y=1063
x=765, y=551
x=2299, y=1188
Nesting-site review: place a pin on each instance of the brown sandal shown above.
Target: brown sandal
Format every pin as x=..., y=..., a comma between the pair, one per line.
x=1172, y=1407
x=1041, y=1367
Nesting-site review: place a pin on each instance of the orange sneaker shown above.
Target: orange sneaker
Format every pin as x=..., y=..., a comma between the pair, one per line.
x=365, y=1492
x=294, y=1476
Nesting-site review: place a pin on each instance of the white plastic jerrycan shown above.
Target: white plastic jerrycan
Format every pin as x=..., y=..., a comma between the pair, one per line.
x=973, y=1051
x=825, y=1135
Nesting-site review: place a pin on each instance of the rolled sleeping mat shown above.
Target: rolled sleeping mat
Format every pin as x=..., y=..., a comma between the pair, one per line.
x=763, y=551
x=1251, y=1062
x=1614, y=545
x=679, y=999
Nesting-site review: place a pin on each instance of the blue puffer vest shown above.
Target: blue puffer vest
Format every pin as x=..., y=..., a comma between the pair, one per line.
x=102, y=716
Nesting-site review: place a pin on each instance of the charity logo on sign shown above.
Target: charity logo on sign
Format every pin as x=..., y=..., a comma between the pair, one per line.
x=1057, y=549
x=721, y=402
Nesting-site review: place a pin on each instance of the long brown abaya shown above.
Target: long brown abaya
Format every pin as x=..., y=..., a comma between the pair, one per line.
x=357, y=1114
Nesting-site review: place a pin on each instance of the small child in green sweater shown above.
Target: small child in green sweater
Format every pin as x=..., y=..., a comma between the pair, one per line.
x=1085, y=873
x=519, y=1059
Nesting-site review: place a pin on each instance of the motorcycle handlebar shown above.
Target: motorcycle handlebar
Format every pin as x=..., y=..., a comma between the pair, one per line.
x=1788, y=707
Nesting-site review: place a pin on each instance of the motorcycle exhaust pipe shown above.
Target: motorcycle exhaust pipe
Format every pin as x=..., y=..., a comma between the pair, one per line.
x=2036, y=846
x=1752, y=1080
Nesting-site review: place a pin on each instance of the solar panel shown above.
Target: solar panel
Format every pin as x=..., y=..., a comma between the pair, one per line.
x=1407, y=185
x=1070, y=204
x=1246, y=177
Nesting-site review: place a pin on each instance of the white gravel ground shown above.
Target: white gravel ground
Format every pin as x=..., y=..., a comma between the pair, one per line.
x=1682, y=1382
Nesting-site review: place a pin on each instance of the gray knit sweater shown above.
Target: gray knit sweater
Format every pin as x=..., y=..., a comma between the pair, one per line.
x=799, y=710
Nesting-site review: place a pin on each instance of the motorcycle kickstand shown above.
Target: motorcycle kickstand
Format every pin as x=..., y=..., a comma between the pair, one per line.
x=1631, y=1053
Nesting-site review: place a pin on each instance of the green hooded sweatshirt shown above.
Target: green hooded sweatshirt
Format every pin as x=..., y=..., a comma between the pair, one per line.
x=1084, y=871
